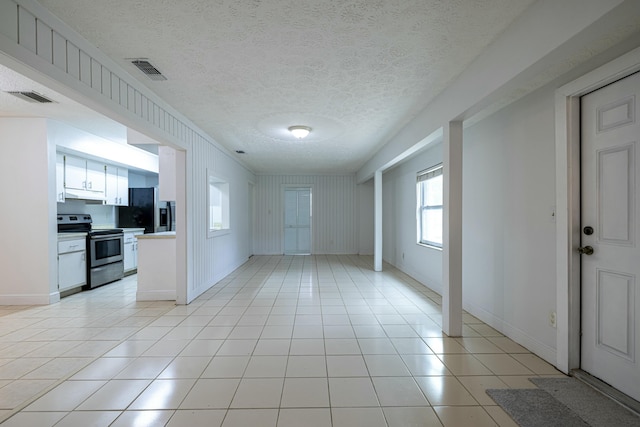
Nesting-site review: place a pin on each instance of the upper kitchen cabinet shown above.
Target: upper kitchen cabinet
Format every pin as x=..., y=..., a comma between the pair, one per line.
x=84, y=179
x=117, y=186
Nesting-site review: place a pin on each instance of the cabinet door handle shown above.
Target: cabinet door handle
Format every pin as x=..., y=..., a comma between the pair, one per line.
x=90, y=185
x=84, y=184
x=84, y=256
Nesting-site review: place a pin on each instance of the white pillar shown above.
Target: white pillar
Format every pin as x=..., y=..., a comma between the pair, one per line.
x=452, y=231
x=377, y=226
x=182, y=229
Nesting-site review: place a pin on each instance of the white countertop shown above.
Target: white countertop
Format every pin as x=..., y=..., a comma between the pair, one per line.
x=162, y=235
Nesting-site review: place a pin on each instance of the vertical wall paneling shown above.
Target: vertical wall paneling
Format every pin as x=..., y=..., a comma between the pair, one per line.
x=334, y=229
x=59, y=51
x=73, y=60
x=27, y=30
x=131, y=99
x=85, y=68
x=144, y=111
x=138, y=104
x=115, y=88
x=9, y=19
x=106, y=81
x=44, y=44
x=124, y=97
x=96, y=75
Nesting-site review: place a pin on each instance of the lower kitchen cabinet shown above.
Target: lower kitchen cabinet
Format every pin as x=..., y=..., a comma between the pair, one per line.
x=131, y=251
x=72, y=264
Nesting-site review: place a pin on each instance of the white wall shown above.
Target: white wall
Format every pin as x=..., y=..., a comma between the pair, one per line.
x=27, y=173
x=213, y=258
x=137, y=180
x=334, y=225
x=508, y=226
x=399, y=221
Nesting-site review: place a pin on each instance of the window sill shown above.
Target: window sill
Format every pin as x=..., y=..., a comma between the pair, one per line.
x=424, y=245
x=218, y=233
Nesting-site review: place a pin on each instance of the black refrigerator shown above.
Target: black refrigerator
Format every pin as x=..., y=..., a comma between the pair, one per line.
x=145, y=211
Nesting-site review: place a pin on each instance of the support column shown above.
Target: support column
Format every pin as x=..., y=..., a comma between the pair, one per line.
x=452, y=230
x=182, y=236
x=377, y=219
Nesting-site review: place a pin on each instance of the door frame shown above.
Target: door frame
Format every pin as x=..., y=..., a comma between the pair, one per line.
x=567, y=130
x=283, y=189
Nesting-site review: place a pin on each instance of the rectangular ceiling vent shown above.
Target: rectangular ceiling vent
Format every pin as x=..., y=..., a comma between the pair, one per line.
x=31, y=96
x=149, y=70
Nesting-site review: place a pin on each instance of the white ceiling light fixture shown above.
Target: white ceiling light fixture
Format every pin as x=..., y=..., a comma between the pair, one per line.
x=300, y=131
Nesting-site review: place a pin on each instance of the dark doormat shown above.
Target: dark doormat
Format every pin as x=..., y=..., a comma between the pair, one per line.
x=562, y=402
x=591, y=405
x=535, y=408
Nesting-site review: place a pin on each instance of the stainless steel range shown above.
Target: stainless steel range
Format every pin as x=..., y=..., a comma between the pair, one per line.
x=105, y=248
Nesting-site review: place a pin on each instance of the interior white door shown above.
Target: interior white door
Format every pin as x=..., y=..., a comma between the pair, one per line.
x=610, y=343
x=297, y=221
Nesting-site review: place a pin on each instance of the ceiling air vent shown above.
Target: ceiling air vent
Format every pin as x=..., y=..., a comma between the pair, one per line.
x=149, y=70
x=31, y=96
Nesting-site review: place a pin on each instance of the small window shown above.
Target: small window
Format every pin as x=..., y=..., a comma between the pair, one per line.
x=218, y=205
x=430, y=201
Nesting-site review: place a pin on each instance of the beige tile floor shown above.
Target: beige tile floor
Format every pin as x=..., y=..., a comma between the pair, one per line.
x=283, y=341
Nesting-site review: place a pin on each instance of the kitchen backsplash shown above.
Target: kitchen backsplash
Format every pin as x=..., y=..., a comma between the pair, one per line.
x=100, y=214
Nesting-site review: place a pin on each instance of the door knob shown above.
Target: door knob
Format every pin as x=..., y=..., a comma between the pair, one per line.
x=586, y=250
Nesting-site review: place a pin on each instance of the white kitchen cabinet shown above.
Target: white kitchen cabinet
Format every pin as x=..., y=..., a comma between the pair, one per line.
x=82, y=174
x=95, y=176
x=72, y=264
x=60, y=178
x=117, y=186
x=131, y=250
x=75, y=173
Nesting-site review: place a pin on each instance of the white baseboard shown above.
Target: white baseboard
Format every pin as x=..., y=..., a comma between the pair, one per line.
x=519, y=336
x=538, y=348
x=54, y=297
x=156, y=295
x=27, y=299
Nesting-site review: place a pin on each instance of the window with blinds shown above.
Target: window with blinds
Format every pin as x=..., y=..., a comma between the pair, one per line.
x=429, y=206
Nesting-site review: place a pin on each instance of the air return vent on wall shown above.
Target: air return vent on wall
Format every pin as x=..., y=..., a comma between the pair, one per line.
x=149, y=70
x=31, y=96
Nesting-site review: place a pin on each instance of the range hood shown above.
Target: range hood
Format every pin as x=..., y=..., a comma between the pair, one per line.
x=90, y=196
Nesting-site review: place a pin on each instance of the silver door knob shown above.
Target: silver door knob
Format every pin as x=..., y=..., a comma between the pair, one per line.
x=586, y=250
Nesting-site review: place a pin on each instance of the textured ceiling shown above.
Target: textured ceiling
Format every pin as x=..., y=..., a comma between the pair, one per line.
x=356, y=71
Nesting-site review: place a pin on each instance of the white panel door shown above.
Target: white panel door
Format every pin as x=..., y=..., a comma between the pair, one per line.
x=297, y=221
x=610, y=254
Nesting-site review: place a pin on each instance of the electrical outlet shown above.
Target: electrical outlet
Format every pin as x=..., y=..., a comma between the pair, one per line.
x=552, y=319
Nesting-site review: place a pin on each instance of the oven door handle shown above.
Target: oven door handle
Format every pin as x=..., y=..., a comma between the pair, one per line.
x=107, y=236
